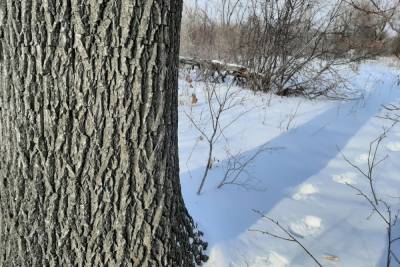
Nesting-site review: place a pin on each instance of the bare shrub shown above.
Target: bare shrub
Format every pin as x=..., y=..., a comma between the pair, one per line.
x=395, y=46
x=237, y=168
x=359, y=31
x=213, y=37
x=289, y=46
x=286, y=46
x=198, y=33
x=218, y=102
x=388, y=10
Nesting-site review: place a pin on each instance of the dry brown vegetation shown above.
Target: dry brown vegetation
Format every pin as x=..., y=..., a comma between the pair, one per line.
x=288, y=46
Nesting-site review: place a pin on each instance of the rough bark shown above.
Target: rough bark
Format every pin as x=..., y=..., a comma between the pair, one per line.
x=88, y=135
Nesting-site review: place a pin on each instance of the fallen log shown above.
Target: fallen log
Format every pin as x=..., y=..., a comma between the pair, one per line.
x=217, y=71
x=215, y=66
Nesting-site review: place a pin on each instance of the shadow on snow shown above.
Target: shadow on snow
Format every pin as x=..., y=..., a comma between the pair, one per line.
x=229, y=210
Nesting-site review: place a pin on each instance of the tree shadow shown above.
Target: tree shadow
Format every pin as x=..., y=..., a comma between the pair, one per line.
x=224, y=214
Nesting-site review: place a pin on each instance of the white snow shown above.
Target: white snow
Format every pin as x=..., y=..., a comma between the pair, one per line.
x=394, y=146
x=345, y=178
x=302, y=182
x=305, y=191
x=273, y=260
x=363, y=158
x=309, y=225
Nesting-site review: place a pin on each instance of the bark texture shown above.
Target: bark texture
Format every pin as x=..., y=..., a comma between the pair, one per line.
x=89, y=172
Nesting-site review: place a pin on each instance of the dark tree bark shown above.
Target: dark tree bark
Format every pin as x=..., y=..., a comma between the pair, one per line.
x=89, y=171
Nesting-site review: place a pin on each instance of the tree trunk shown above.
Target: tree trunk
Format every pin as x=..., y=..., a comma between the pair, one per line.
x=89, y=172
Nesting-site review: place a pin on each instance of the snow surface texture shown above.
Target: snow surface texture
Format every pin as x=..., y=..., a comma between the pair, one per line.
x=305, y=192
x=309, y=225
x=394, y=146
x=301, y=182
x=363, y=158
x=273, y=260
x=345, y=178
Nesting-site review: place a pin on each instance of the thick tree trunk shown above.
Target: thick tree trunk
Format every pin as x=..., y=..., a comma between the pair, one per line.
x=88, y=135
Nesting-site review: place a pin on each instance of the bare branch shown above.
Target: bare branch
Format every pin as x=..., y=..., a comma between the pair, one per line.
x=379, y=206
x=290, y=237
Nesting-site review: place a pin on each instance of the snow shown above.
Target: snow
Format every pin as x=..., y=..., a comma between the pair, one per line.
x=309, y=225
x=345, y=178
x=217, y=62
x=298, y=177
x=273, y=260
x=305, y=191
x=363, y=158
x=394, y=146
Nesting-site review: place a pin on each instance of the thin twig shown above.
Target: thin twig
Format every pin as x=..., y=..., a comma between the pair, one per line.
x=290, y=238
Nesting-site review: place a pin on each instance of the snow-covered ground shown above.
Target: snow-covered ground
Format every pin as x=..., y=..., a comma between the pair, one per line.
x=298, y=177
